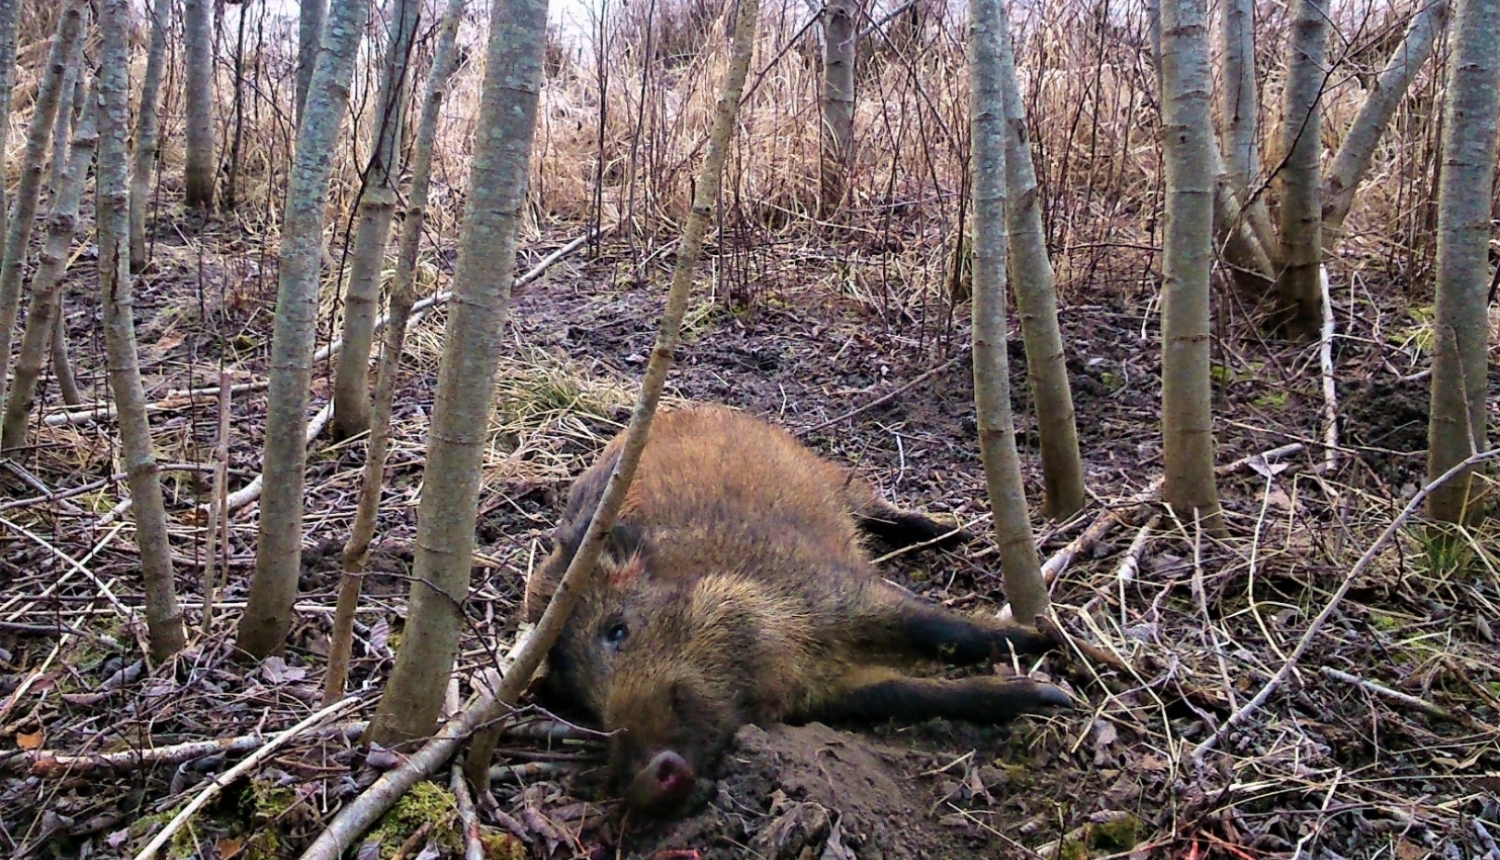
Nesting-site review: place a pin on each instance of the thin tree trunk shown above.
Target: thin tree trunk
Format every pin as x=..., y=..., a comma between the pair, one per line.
x=61, y=368
x=64, y=51
x=1353, y=158
x=377, y=205
x=278, y=553
x=466, y=376
x=309, y=38
x=46, y=287
x=668, y=336
x=1457, y=427
x=403, y=296
x=988, y=134
x=146, y=133
x=237, y=134
x=1249, y=259
x=1239, y=119
x=163, y=617
x=1036, y=304
x=839, y=48
x=1187, y=261
x=62, y=128
x=8, y=14
x=1299, y=292
x=197, y=19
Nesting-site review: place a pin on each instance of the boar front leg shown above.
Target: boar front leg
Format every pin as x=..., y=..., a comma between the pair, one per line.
x=878, y=694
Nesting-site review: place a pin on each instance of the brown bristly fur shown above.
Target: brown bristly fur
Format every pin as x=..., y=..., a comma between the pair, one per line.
x=736, y=587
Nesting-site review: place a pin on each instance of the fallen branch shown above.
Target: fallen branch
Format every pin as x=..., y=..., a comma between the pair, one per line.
x=362, y=812
x=251, y=491
x=174, y=400
x=1426, y=707
x=235, y=772
x=1087, y=649
x=1250, y=707
x=51, y=763
x=436, y=300
x=125, y=612
x=468, y=819
x=1330, y=389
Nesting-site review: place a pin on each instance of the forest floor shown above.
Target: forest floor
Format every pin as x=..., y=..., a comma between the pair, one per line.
x=1331, y=765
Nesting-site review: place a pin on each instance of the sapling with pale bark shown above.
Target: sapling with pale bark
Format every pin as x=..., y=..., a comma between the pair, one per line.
x=310, y=15
x=840, y=44
x=44, y=307
x=197, y=35
x=1036, y=305
x=278, y=551
x=377, y=206
x=1457, y=427
x=147, y=131
x=1298, y=289
x=1187, y=261
x=112, y=210
x=988, y=137
x=482, y=281
x=403, y=296
x=65, y=50
x=1381, y=100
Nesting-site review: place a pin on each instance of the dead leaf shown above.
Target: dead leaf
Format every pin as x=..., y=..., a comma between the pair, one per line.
x=277, y=672
x=381, y=758
x=1278, y=498
x=380, y=635
x=1105, y=735
x=834, y=848
x=229, y=847
x=30, y=740
x=1405, y=850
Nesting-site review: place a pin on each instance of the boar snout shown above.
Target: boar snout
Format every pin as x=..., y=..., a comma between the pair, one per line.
x=665, y=782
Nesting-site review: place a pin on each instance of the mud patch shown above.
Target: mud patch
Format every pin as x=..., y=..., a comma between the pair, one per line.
x=813, y=792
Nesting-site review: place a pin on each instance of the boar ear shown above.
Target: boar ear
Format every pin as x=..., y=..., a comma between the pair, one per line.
x=625, y=540
x=624, y=553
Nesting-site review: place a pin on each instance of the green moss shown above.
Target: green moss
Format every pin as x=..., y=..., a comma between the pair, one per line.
x=701, y=319
x=1272, y=400
x=425, y=803
x=1119, y=834
x=181, y=846
x=503, y=846
x=1072, y=849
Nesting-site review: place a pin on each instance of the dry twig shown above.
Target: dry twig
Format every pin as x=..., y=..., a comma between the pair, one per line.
x=229, y=776
x=1250, y=707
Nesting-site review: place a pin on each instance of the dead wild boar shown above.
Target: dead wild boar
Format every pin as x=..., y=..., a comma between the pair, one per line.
x=736, y=588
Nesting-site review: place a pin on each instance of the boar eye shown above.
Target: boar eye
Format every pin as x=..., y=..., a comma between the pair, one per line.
x=616, y=633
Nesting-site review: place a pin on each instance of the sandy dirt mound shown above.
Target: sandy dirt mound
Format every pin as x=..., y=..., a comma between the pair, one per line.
x=811, y=791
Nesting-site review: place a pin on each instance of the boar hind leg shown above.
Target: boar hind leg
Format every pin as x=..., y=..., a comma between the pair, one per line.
x=895, y=623
x=872, y=695
x=883, y=520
